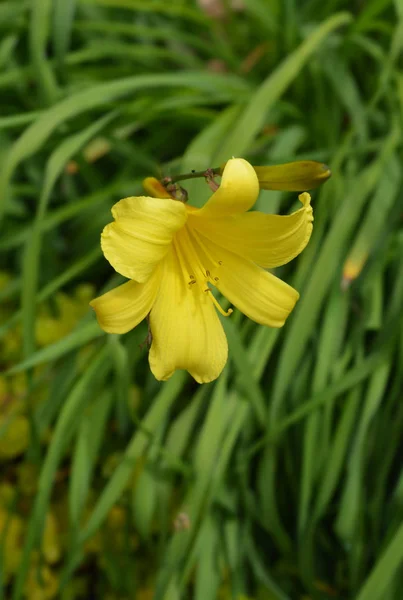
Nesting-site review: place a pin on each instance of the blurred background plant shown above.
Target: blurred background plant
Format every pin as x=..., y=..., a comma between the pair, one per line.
x=283, y=479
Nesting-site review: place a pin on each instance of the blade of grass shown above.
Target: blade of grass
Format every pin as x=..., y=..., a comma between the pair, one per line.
x=384, y=570
x=248, y=385
x=329, y=347
x=207, y=577
x=88, y=444
x=113, y=490
x=325, y=268
x=254, y=116
x=101, y=94
x=56, y=164
x=39, y=34
x=63, y=18
x=81, y=336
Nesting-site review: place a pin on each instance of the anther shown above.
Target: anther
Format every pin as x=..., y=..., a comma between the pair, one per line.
x=207, y=273
x=220, y=262
x=216, y=279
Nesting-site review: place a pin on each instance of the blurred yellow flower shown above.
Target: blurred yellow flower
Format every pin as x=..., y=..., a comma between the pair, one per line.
x=145, y=593
x=27, y=478
x=14, y=427
x=11, y=533
x=69, y=309
x=51, y=543
x=42, y=582
x=5, y=279
x=173, y=253
x=11, y=345
x=14, y=436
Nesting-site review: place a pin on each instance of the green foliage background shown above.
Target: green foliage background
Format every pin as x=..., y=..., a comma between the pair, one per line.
x=283, y=479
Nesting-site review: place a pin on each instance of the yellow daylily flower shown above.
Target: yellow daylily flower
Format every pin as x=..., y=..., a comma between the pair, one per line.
x=174, y=254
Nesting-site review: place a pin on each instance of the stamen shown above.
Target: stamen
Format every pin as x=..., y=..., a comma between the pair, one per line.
x=181, y=259
x=217, y=305
x=199, y=242
x=192, y=256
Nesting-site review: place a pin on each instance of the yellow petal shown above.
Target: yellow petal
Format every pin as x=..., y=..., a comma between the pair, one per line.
x=268, y=240
x=141, y=234
x=126, y=306
x=296, y=176
x=258, y=294
x=237, y=193
x=186, y=331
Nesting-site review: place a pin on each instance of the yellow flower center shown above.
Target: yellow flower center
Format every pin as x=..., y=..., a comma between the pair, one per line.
x=192, y=257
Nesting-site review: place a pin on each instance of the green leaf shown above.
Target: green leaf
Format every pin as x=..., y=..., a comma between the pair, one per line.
x=81, y=336
x=56, y=164
x=250, y=123
x=384, y=570
x=85, y=455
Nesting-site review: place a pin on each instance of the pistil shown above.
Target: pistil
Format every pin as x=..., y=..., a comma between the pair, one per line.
x=225, y=313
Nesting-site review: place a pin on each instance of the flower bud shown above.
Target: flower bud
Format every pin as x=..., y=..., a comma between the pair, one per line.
x=298, y=176
x=155, y=189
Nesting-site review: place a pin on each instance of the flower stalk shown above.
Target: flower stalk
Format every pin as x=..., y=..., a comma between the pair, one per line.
x=192, y=175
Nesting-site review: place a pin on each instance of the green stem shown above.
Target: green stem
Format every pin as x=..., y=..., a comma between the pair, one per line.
x=192, y=175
